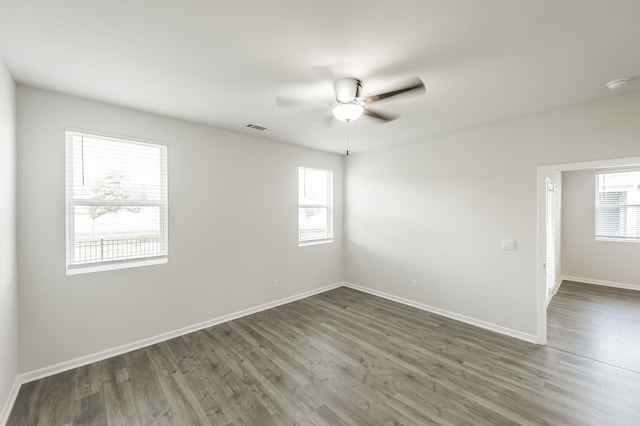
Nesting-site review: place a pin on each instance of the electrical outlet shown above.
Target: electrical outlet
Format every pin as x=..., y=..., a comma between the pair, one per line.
x=414, y=283
x=276, y=283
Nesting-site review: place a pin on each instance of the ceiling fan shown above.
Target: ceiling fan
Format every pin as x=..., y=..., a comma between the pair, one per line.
x=350, y=105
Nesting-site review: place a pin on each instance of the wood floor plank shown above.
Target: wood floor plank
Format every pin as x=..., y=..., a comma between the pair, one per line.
x=601, y=323
x=346, y=357
x=185, y=407
x=27, y=406
x=150, y=402
x=58, y=399
x=118, y=393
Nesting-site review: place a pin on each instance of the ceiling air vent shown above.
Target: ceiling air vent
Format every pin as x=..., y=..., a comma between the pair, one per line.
x=255, y=126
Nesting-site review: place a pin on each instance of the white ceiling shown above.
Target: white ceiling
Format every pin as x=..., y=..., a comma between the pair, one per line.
x=223, y=63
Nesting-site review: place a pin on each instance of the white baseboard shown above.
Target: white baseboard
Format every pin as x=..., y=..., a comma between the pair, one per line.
x=625, y=286
x=554, y=290
x=99, y=356
x=463, y=318
x=11, y=399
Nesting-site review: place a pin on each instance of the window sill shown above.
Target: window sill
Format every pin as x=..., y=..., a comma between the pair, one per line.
x=315, y=242
x=618, y=240
x=110, y=266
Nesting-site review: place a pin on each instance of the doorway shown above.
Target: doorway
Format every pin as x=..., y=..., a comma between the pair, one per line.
x=546, y=227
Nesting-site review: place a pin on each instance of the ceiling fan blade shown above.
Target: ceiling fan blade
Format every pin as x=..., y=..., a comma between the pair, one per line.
x=378, y=116
x=291, y=102
x=415, y=85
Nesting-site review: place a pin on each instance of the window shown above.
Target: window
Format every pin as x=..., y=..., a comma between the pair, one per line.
x=314, y=206
x=618, y=205
x=116, y=198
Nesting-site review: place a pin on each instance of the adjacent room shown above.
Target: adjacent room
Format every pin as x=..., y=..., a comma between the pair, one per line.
x=323, y=213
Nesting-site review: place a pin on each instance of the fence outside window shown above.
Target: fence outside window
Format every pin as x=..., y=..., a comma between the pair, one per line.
x=104, y=250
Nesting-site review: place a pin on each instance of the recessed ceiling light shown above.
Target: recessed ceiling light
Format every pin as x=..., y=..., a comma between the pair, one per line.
x=619, y=83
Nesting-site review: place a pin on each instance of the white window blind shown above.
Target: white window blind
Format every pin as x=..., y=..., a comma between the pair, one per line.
x=618, y=205
x=116, y=195
x=315, y=192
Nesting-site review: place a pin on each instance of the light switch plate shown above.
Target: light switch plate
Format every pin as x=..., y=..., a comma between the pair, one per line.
x=508, y=244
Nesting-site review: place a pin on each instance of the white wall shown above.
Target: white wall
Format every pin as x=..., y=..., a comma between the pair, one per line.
x=435, y=210
x=583, y=257
x=8, y=281
x=221, y=260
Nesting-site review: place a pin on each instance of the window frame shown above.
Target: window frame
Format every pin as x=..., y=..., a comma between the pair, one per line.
x=598, y=206
x=328, y=206
x=72, y=203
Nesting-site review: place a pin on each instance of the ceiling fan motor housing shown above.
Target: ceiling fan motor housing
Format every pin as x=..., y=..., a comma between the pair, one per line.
x=347, y=89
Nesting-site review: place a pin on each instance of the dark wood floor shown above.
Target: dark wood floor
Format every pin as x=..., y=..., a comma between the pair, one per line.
x=601, y=323
x=341, y=357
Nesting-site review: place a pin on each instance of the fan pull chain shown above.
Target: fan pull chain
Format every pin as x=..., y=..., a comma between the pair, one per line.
x=347, y=144
x=347, y=139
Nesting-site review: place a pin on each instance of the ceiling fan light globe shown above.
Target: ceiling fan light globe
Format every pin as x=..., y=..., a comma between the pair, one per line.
x=347, y=112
